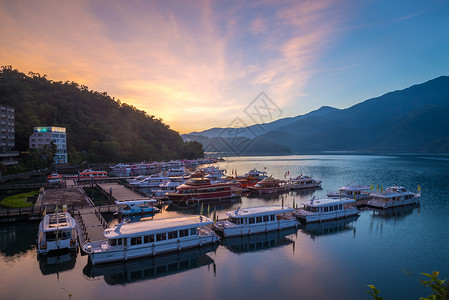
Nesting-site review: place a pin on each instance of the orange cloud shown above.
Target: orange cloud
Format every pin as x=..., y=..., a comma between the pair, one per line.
x=196, y=65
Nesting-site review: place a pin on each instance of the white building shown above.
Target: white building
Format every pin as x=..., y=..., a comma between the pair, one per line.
x=45, y=135
x=7, y=136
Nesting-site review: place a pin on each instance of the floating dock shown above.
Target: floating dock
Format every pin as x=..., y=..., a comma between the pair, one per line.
x=91, y=224
x=118, y=192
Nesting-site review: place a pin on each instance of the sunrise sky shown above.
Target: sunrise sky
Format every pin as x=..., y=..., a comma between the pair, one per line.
x=199, y=64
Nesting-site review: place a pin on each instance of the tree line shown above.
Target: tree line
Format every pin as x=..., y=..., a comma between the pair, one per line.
x=99, y=128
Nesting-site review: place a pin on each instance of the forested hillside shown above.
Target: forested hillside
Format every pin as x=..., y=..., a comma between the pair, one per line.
x=99, y=127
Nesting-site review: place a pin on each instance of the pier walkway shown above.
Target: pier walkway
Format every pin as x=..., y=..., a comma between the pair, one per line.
x=91, y=224
x=118, y=192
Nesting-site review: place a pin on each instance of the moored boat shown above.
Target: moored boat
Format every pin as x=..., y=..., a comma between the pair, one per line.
x=201, y=189
x=393, y=197
x=269, y=185
x=150, y=238
x=136, y=207
x=319, y=210
x=303, y=182
x=356, y=192
x=245, y=221
x=55, y=178
x=57, y=232
x=151, y=182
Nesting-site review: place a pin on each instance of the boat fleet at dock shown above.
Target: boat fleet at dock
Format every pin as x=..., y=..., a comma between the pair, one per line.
x=147, y=238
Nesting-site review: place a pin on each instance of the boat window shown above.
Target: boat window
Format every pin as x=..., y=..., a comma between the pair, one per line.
x=335, y=207
x=250, y=220
x=112, y=242
x=148, y=239
x=192, y=231
x=265, y=218
x=183, y=233
x=50, y=236
x=125, y=242
x=172, y=235
x=272, y=218
x=340, y=206
x=136, y=241
x=331, y=208
x=258, y=219
x=161, y=237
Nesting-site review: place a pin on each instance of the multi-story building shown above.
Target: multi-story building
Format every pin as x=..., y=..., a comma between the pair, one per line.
x=7, y=136
x=45, y=135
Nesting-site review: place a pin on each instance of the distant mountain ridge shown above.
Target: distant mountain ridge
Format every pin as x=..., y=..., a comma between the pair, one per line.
x=414, y=119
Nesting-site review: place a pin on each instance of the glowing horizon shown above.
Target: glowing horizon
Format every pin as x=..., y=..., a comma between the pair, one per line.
x=197, y=65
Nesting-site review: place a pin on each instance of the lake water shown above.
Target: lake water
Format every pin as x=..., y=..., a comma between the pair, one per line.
x=334, y=260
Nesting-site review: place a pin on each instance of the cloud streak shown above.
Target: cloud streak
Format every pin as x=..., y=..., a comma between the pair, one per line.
x=195, y=64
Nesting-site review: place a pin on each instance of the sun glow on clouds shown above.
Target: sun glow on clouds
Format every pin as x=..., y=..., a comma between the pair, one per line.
x=194, y=64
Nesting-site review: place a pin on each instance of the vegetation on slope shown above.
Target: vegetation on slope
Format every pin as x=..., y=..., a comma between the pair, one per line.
x=99, y=128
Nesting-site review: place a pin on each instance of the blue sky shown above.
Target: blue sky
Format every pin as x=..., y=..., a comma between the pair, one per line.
x=198, y=64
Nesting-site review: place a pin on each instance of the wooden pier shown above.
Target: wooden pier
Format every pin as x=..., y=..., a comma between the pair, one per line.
x=118, y=192
x=91, y=224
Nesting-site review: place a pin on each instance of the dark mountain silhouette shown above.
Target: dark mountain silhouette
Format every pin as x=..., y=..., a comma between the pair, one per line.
x=415, y=119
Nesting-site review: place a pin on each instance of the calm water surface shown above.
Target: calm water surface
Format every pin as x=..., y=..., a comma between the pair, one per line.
x=323, y=261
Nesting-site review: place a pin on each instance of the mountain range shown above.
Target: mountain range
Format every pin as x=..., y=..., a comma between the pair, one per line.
x=414, y=119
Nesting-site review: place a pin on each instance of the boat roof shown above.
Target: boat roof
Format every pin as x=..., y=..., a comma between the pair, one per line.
x=130, y=202
x=327, y=201
x=354, y=188
x=59, y=221
x=258, y=211
x=156, y=226
x=392, y=191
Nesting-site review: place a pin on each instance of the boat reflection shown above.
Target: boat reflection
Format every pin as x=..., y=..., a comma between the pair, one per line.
x=151, y=268
x=260, y=241
x=394, y=213
x=328, y=227
x=55, y=264
x=194, y=208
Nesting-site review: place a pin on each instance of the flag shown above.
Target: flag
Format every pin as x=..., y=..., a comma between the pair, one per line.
x=377, y=187
x=208, y=209
x=372, y=187
x=201, y=209
x=45, y=211
x=64, y=208
x=419, y=188
x=381, y=188
x=215, y=216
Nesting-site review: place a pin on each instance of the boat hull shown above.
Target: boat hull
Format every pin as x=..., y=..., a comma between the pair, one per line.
x=322, y=217
x=248, y=229
x=391, y=204
x=149, y=250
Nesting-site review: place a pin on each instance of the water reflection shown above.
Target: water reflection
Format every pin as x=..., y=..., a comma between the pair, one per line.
x=55, y=264
x=151, y=268
x=17, y=238
x=261, y=241
x=211, y=205
x=394, y=213
x=328, y=227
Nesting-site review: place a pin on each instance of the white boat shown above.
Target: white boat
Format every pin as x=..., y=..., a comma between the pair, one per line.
x=57, y=232
x=319, y=210
x=121, y=169
x=356, y=192
x=245, y=221
x=169, y=186
x=55, y=178
x=151, y=182
x=254, y=173
x=175, y=172
x=393, y=196
x=303, y=182
x=137, y=179
x=150, y=238
x=136, y=207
